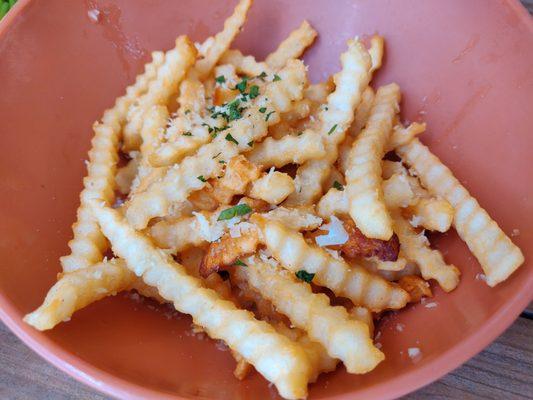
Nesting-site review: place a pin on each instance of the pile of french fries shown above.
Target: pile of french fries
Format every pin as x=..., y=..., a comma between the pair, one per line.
x=283, y=216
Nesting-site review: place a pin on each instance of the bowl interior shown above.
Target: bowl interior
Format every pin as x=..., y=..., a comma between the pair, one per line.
x=464, y=67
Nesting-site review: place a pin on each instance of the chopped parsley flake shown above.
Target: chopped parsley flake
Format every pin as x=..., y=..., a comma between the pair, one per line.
x=300, y=133
x=251, y=144
x=240, y=263
x=220, y=79
x=187, y=112
x=216, y=156
x=276, y=78
x=262, y=76
x=254, y=91
x=332, y=129
x=305, y=276
x=262, y=110
x=234, y=112
x=221, y=162
x=338, y=186
x=201, y=178
x=241, y=86
x=230, y=138
x=268, y=115
x=187, y=134
x=235, y=211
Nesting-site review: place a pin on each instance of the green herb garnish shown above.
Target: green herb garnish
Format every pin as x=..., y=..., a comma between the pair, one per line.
x=305, y=276
x=187, y=134
x=338, y=186
x=241, y=86
x=201, y=178
x=254, y=91
x=276, y=78
x=238, y=210
x=220, y=79
x=240, y=263
x=230, y=138
x=262, y=110
x=268, y=115
x=187, y=112
x=332, y=129
x=262, y=76
x=251, y=144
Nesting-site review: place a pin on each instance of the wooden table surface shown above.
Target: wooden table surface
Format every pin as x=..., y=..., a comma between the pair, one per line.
x=503, y=371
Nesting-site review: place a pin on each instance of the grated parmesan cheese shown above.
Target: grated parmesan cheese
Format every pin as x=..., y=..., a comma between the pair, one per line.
x=336, y=233
x=414, y=352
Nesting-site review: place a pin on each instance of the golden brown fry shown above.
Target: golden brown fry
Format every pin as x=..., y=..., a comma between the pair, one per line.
x=334, y=119
x=292, y=47
x=345, y=338
x=254, y=340
x=77, y=289
x=228, y=251
x=498, y=255
x=191, y=174
x=416, y=287
x=363, y=175
x=353, y=282
x=416, y=248
x=160, y=89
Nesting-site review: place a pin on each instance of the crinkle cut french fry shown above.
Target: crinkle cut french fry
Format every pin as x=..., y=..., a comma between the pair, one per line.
x=416, y=248
x=245, y=64
x=434, y=214
x=334, y=202
x=77, y=289
x=363, y=175
x=292, y=47
x=273, y=187
x=498, y=255
x=88, y=244
x=289, y=149
x=376, y=52
x=319, y=359
x=191, y=174
x=299, y=218
x=115, y=117
x=363, y=314
x=222, y=40
x=169, y=74
x=401, y=135
x=354, y=282
x=126, y=174
x=254, y=340
x=343, y=337
x=334, y=120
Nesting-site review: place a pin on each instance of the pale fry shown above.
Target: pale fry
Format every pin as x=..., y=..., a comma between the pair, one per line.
x=126, y=174
x=363, y=175
x=77, y=289
x=364, y=315
x=254, y=340
x=498, y=255
x=192, y=173
x=222, y=40
x=401, y=135
x=343, y=337
x=292, y=47
x=289, y=149
x=160, y=89
x=299, y=218
x=334, y=119
x=433, y=214
x=245, y=64
x=416, y=248
x=376, y=52
x=273, y=187
x=88, y=244
x=397, y=191
x=353, y=282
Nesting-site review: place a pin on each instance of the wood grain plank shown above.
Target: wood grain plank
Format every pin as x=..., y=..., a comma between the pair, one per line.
x=502, y=371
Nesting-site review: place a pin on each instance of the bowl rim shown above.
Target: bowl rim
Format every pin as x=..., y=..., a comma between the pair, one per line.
x=109, y=384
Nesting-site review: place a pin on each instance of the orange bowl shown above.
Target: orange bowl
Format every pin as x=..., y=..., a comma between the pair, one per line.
x=464, y=67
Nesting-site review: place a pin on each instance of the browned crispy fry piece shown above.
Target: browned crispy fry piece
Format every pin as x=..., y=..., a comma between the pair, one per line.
x=358, y=245
x=228, y=251
x=416, y=287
